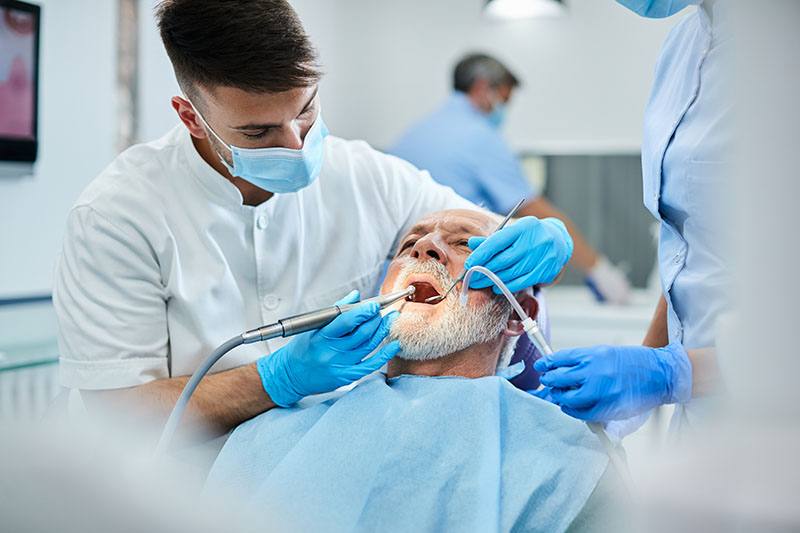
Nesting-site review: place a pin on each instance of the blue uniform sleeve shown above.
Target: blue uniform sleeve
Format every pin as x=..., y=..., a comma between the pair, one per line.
x=500, y=174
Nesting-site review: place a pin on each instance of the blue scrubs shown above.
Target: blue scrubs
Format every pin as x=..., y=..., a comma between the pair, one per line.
x=461, y=149
x=687, y=136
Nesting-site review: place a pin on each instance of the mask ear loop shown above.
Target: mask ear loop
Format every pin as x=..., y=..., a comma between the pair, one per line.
x=541, y=344
x=214, y=133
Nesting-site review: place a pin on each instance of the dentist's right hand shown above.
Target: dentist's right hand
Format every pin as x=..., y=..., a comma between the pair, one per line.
x=328, y=358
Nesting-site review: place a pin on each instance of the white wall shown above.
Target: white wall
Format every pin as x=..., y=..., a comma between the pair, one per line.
x=587, y=75
x=76, y=130
x=156, y=80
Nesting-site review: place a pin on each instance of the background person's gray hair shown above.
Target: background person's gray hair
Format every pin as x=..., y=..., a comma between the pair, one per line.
x=481, y=66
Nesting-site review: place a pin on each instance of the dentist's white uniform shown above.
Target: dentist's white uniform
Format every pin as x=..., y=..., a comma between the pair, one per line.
x=162, y=262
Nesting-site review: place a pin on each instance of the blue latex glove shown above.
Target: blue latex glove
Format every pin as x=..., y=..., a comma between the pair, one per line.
x=605, y=383
x=328, y=358
x=526, y=253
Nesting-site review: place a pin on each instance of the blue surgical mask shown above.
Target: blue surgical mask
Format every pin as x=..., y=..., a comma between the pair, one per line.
x=280, y=170
x=498, y=115
x=657, y=9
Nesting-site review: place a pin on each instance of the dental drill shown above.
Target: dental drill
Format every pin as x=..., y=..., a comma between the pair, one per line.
x=534, y=333
x=285, y=327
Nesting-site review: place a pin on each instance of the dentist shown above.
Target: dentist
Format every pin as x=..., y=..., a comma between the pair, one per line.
x=245, y=212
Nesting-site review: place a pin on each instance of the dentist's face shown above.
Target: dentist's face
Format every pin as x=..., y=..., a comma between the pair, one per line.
x=250, y=120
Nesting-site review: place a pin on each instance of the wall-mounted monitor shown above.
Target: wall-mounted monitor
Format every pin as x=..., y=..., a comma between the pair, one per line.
x=19, y=82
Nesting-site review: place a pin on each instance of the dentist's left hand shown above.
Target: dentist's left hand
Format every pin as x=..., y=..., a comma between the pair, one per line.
x=328, y=358
x=529, y=252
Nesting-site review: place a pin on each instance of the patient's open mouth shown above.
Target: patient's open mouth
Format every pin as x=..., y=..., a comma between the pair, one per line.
x=423, y=291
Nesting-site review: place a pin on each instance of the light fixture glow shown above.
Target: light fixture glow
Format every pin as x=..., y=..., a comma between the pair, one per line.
x=520, y=9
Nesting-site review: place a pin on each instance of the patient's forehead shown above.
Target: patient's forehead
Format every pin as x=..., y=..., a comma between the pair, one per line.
x=455, y=221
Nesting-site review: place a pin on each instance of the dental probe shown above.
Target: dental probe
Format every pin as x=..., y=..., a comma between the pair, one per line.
x=509, y=216
x=286, y=327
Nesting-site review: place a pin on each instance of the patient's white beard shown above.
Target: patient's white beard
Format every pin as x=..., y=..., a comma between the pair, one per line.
x=459, y=327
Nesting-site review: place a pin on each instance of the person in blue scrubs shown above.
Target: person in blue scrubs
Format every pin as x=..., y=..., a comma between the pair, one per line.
x=687, y=134
x=460, y=144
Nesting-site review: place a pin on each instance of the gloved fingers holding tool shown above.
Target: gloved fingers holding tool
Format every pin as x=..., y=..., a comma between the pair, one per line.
x=526, y=253
x=320, y=361
x=605, y=383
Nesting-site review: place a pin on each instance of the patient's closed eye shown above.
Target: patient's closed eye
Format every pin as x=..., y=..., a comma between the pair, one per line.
x=406, y=245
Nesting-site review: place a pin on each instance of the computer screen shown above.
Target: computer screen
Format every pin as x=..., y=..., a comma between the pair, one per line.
x=19, y=50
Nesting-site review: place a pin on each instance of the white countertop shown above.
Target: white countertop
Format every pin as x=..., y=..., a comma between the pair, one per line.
x=577, y=319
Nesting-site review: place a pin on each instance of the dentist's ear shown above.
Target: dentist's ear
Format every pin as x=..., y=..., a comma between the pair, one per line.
x=188, y=116
x=529, y=305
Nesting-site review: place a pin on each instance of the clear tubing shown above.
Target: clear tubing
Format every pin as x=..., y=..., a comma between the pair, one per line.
x=535, y=334
x=497, y=281
x=530, y=325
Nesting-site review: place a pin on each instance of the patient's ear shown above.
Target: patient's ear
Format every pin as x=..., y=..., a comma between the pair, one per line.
x=530, y=306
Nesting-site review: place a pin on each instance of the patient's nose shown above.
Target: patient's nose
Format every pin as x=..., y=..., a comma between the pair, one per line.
x=427, y=248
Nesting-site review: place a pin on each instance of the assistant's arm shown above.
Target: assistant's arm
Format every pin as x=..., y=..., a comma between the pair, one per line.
x=657, y=335
x=706, y=376
x=583, y=255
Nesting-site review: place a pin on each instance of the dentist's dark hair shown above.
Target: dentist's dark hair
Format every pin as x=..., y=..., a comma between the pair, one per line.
x=253, y=45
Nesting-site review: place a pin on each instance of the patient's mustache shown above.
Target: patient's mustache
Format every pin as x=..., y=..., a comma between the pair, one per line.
x=432, y=268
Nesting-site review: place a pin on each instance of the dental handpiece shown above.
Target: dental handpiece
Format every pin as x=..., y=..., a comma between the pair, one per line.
x=285, y=327
x=293, y=325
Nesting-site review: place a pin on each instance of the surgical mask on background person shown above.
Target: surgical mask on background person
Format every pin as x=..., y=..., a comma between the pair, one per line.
x=657, y=9
x=497, y=115
x=279, y=170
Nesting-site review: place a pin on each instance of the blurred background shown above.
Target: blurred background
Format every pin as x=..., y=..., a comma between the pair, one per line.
x=586, y=76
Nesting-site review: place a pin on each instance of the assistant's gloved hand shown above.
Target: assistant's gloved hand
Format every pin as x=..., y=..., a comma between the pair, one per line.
x=328, y=358
x=526, y=253
x=605, y=383
x=610, y=282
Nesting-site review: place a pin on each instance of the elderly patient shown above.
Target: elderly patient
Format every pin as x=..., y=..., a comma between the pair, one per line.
x=440, y=442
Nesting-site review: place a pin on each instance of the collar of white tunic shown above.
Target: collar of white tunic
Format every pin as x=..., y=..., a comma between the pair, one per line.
x=218, y=189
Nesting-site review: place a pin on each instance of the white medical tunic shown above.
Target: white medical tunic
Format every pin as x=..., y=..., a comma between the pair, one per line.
x=162, y=262
x=687, y=138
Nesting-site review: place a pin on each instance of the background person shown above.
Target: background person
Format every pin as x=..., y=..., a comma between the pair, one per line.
x=460, y=144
